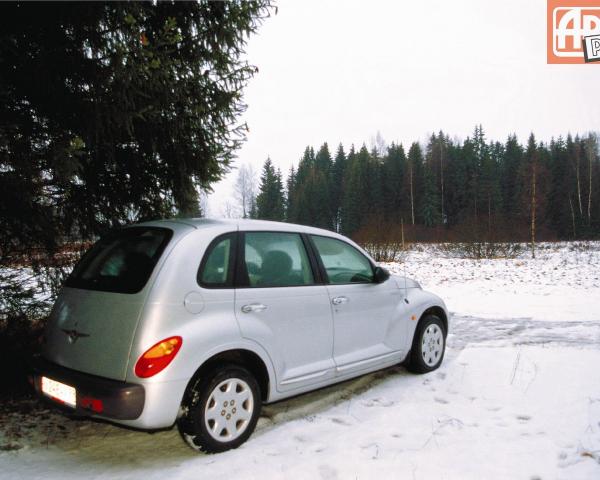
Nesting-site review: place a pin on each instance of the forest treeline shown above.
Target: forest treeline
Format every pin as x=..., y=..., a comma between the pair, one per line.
x=471, y=190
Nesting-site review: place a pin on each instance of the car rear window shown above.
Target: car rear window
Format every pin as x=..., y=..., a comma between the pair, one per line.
x=122, y=261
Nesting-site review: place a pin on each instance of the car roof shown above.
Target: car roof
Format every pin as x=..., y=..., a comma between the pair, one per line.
x=241, y=224
x=182, y=225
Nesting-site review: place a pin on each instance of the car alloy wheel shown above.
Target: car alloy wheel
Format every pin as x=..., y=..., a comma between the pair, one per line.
x=229, y=409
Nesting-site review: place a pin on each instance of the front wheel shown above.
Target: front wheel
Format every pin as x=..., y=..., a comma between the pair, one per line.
x=220, y=411
x=429, y=344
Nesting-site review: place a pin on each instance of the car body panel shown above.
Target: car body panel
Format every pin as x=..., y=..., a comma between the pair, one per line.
x=295, y=327
x=367, y=325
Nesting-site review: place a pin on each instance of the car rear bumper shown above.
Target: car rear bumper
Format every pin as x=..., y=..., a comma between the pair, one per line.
x=95, y=396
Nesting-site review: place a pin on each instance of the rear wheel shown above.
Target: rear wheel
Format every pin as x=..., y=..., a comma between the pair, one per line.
x=429, y=344
x=220, y=411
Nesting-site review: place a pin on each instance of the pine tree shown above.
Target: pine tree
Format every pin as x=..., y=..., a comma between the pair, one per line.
x=563, y=200
x=429, y=203
x=337, y=186
x=270, y=203
x=414, y=179
x=530, y=176
x=509, y=178
x=356, y=194
x=135, y=113
x=290, y=195
x=394, y=165
x=455, y=204
x=321, y=201
x=113, y=112
x=490, y=184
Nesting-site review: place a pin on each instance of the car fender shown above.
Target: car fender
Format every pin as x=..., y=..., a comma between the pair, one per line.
x=242, y=344
x=419, y=301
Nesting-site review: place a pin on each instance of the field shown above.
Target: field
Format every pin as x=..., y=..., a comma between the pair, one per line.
x=518, y=396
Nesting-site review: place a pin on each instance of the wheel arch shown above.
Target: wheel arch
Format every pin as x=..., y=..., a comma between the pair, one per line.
x=243, y=358
x=439, y=312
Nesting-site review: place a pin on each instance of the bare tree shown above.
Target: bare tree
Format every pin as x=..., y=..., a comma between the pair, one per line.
x=229, y=210
x=245, y=189
x=378, y=144
x=203, y=203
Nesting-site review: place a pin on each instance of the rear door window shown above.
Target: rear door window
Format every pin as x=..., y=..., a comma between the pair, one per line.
x=121, y=262
x=274, y=259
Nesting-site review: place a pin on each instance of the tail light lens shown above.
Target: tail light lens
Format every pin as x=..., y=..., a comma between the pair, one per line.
x=156, y=358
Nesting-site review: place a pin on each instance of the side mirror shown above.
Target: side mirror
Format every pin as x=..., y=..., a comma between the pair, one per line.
x=381, y=274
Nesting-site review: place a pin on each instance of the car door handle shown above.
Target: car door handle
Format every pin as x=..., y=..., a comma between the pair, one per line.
x=339, y=300
x=253, y=307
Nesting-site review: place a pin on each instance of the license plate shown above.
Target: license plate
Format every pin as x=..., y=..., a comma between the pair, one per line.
x=59, y=391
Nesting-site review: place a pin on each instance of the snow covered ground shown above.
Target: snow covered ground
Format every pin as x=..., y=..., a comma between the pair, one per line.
x=518, y=397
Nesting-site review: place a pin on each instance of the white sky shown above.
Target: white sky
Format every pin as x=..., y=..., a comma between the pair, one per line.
x=339, y=71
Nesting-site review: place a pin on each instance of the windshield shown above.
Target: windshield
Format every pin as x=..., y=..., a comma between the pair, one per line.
x=122, y=261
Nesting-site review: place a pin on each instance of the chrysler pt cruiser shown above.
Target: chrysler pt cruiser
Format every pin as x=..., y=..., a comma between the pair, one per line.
x=199, y=322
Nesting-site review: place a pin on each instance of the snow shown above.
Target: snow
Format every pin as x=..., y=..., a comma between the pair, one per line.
x=518, y=396
x=561, y=284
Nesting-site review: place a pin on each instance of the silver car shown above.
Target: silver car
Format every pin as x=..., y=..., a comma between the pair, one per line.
x=199, y=322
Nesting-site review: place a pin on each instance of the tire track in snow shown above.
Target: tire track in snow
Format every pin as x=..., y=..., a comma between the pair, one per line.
x=467, y=330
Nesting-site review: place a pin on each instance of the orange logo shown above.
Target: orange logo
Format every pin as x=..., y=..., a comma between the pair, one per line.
x=572, y=26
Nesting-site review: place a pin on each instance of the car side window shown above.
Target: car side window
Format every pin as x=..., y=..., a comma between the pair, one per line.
x=216, y=269
x=274, y=259
x=343, y=263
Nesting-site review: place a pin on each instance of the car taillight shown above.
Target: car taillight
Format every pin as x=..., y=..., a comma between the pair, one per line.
x=156, y=358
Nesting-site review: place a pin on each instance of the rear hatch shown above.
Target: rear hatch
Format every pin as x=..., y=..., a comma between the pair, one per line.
x=94, y=319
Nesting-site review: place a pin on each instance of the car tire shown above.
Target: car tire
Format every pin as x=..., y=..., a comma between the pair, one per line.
x=429, y=345
x=220, y=410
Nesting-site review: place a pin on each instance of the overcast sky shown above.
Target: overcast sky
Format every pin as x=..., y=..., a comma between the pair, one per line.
x=340, y=71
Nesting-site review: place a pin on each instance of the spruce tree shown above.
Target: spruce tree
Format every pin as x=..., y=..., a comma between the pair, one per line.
x=510, y=186
x=113, y=112
x=337, y=186
x=413, y=181
x=429, y=199
x=270, y=203
x=290, y=195
x=394, y=165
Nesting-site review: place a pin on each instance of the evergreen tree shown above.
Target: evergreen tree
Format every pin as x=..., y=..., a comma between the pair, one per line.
x=290, y=195
x=374, y=194
x=413, y=181
x=564, y=214
x=356, y=194
x=456, y=179
x=510, y=186
x=337, y=186
x=136, y=110
x=394, y=165
x=112, y=112
x=429, y=202
x=270, y=202
x=490, y=185
x=321, y=201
